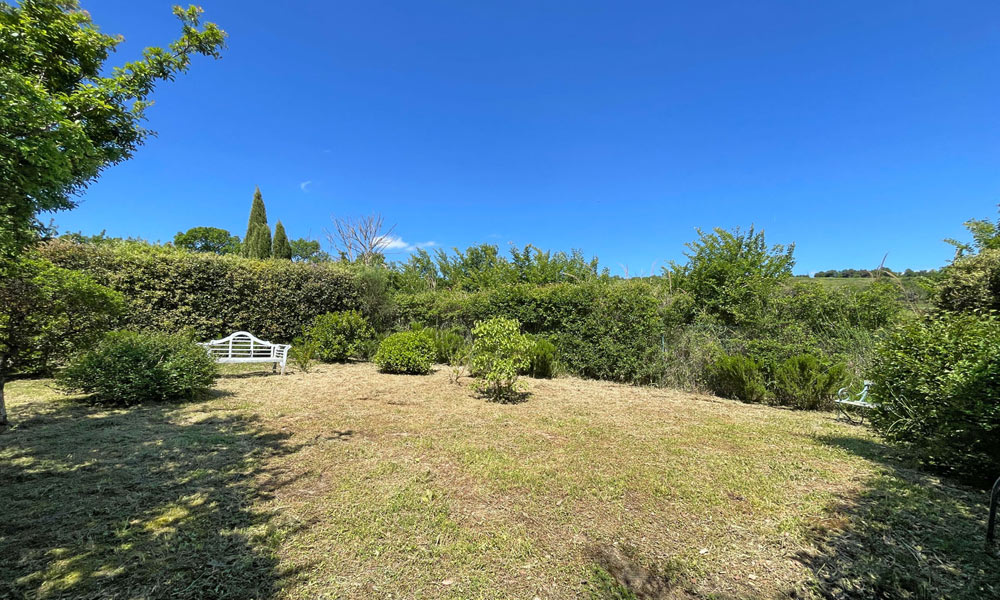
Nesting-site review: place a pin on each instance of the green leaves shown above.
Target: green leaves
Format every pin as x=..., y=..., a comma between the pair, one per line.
x=62, y=122
x=733, y=274
x=208, y=239
x=406, y=352
x=129, y=367
x=482, y=267
x=803, y=381
x=936, y=384
x=499, y=351
x=170, y=289
x=737, y=377
x=50, y=313
x=257, y=243
x=340, y=335
x=280, y=248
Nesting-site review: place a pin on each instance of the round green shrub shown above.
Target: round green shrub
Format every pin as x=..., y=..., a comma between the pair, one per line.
x=340, y=335
x=129, y=367
x=935, y=389
x=409, y=352
x=738, y=377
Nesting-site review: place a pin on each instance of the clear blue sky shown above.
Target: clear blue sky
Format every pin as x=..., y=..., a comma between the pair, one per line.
x=850, y=128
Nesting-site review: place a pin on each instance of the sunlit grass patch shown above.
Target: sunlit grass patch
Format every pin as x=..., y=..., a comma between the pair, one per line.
x=347, y=483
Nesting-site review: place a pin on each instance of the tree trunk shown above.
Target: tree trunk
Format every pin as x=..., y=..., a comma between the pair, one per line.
x=3, y=405
x=3, y=382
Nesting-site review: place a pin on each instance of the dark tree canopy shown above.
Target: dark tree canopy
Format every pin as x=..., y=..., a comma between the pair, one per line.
x=64, y=116
x=208, y=239
x=304, y=250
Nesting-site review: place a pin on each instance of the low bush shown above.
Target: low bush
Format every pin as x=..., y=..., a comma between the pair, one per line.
x=499, y=351
x=688, y=351
x=541, y=358
x=804, y=382
x=303, y=353
x=935, y=386
x=602, y=330
x=128, y=367
x=409, y=352
x=448, y=343
x=340, y=335
x=737, y=377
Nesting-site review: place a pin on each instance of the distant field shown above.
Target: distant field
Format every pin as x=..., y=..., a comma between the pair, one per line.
x=915, y=296
x=838, y=283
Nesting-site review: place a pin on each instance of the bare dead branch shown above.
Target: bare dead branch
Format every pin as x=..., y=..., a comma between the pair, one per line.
x=360, y=239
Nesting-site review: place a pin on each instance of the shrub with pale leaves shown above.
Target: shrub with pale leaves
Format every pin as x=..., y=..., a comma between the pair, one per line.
x=499, y=351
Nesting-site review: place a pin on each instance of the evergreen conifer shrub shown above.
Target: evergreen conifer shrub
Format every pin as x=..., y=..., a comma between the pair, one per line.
x=737, y=377
x=803, y=381
x=280, y=248
x=257, y=242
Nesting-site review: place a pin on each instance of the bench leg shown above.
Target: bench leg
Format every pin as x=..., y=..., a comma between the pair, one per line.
x=847, y=416
x=991, y=524
x=282, y=367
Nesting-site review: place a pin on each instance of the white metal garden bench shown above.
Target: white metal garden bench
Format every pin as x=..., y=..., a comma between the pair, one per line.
x=845, y=399
x=242, y=347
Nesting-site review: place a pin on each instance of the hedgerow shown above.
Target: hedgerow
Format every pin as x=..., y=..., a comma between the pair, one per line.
x=602, y=330
x=654, y=330
x=170, y=290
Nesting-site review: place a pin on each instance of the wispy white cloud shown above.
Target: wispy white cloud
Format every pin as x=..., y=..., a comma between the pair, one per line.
x=304, y=186
x=394, y=243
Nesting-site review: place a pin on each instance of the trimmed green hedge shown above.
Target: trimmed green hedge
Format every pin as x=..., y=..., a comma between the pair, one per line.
x=601, y=330
x=172, y=290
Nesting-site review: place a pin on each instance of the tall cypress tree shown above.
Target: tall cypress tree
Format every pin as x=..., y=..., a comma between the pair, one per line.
x=257, y=243
x=280, y=248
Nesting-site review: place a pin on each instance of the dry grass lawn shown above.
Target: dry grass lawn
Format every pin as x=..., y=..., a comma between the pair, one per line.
x=348, y=483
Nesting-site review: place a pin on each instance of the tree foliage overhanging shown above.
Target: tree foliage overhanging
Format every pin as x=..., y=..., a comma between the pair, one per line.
x=61, y=120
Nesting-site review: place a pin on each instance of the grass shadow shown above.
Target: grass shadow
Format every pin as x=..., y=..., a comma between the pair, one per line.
x=136, y=503
x=249, y=374
x=907, y=535
x=511, y=398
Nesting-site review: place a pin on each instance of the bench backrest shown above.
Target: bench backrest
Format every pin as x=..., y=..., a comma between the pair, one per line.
x=242, y=345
